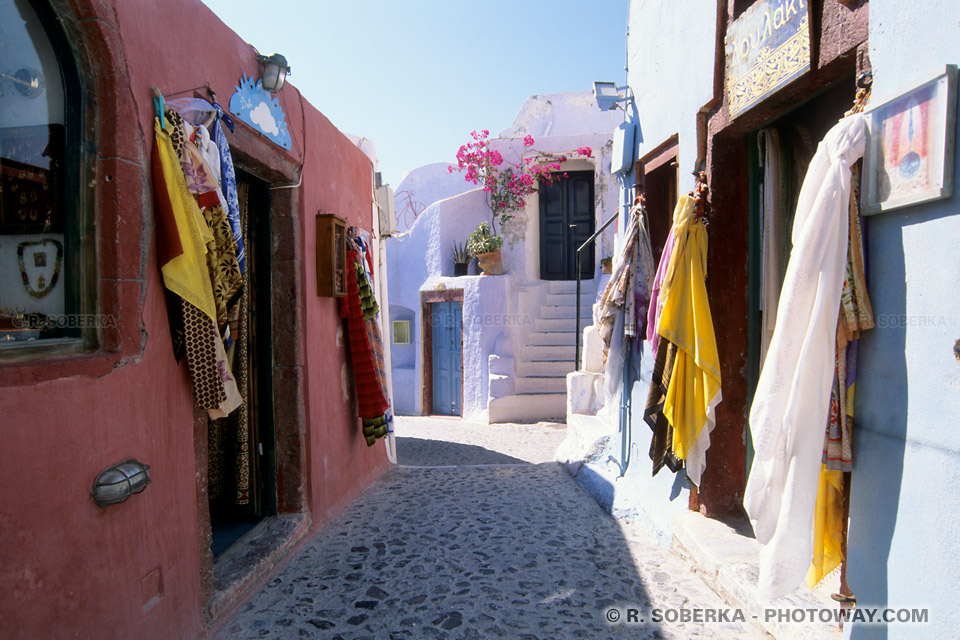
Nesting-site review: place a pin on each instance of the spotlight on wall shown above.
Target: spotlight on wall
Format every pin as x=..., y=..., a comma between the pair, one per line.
x=117, y=483
x=275, y=72
x=609, y=95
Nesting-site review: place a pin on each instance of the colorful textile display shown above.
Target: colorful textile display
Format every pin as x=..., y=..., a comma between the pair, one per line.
x=228, y=181
x=685, y=321
x=793, y=392
x=371, y=399
x=630, y=282
x=856, y=315
x=186, y=273
x=656, y=306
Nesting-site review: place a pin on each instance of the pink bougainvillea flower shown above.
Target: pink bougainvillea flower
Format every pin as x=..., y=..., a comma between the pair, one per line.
x=528, y=140
x=585, y=151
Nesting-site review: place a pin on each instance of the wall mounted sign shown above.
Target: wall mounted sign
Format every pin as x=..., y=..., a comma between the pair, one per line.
x=261, y=110
x=767, y=47
x=909, y=156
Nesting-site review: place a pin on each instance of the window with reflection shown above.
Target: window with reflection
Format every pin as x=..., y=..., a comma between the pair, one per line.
x=36, y=225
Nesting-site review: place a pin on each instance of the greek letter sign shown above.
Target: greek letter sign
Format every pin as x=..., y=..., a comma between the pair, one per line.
x=767, y=47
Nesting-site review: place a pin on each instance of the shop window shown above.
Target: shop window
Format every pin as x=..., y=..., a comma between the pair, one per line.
x=41, y=221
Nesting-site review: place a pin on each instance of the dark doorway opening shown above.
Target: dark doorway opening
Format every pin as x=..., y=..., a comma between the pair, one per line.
x=242, y=484
x=566, y=222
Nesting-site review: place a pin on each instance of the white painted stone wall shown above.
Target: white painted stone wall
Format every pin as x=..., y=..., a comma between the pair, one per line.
x=670, y=55
x=498, y=311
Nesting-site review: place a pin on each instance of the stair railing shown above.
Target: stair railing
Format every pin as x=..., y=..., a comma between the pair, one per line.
x=589, y=241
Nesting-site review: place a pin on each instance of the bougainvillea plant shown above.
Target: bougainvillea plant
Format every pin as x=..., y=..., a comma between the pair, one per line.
x=507, y=186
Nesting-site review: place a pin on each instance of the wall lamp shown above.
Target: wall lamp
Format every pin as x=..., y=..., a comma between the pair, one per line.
x=117, y=483
x=275, y=72
x=609, y=95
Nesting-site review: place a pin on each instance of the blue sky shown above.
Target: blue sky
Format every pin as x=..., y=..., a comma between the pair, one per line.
x=417, y=76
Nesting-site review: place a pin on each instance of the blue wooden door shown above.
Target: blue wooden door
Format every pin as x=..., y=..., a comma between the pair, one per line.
x=446, y=320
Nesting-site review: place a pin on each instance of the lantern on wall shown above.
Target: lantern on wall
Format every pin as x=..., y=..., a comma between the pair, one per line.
x=117, y=483
x=275, y=71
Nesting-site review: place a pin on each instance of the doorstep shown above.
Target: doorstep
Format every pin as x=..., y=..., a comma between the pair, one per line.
x=725, y=556
x=252, y=558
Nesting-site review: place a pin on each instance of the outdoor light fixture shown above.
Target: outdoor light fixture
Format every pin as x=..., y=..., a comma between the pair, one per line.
x=275, y=71
x=117, y=483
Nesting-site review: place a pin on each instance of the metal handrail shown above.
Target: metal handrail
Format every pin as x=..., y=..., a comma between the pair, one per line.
x=576, y=355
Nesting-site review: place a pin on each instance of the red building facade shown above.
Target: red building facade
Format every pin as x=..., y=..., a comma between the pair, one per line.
x=75, y=406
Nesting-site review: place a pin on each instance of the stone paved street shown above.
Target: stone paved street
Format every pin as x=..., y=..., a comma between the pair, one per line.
x=482, y=537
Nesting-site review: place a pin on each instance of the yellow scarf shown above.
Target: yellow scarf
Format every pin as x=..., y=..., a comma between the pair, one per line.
x=827, y=526
x=686, y=322
x=186, y=275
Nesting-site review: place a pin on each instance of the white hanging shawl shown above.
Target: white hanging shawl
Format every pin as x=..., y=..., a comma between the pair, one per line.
x=790, y=406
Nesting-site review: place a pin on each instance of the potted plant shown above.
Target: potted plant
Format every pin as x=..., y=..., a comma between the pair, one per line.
x=461, y=258
x=606, y=265
x=505, y=186
x=485, y=247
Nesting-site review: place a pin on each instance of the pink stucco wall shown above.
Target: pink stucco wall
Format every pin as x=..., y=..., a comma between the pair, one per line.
x=68, y=568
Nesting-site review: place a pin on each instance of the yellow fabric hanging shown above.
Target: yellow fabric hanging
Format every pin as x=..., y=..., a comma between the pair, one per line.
x=827, y=526
x=686, y=321
x=186, y=275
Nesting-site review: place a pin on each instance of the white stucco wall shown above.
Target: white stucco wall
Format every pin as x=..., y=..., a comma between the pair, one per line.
x=423, y=186
x=420, y=259
x=670, y=58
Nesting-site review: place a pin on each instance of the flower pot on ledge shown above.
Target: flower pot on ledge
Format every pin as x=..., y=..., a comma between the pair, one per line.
x=490, y=263
x=460, y=268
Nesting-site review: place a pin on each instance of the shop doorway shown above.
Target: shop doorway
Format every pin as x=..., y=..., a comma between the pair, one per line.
x=242, y=486
x=566, y=222
x=780, y=154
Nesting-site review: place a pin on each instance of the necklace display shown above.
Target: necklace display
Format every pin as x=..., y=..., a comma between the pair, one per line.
x=40, y=260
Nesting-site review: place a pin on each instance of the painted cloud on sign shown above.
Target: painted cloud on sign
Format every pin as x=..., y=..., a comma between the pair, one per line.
x=262, y=116
x=261, y=110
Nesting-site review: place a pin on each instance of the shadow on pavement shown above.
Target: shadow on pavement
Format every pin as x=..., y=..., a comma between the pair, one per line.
x=420, y=452
x=513, y=551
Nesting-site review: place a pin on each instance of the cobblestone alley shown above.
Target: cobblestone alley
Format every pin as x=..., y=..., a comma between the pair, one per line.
x=477, y=534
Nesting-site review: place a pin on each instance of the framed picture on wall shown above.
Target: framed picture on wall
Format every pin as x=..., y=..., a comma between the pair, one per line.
x=910, y=145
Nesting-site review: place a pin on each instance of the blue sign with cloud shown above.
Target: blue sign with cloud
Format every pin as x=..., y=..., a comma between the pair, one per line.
x=261, y=110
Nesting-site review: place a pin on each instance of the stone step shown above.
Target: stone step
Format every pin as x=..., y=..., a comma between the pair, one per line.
x=545, y=368
x=565, y=338
x=553, y=384
x=529, y=407
x=537, y=352
x=569, y=300
x=560, y=324
x=552, y=311
x=570, y=286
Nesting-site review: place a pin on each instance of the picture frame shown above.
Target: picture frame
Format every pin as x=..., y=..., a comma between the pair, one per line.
x=909, y=156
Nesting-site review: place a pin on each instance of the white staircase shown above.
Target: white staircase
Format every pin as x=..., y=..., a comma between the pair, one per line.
x=540, y=384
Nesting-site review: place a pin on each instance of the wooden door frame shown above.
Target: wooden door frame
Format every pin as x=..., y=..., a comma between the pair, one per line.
x=427, y=298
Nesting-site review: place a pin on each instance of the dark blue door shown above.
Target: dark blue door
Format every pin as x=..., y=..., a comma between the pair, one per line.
x=446, y=320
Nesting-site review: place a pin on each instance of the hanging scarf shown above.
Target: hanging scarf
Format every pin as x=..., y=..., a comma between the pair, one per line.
x=630, y=282
x=186, y=275
x=228, y=182
x=656, y=306
x=371, y=399
x=793, y=392
x=694, y=390
x=856, y=315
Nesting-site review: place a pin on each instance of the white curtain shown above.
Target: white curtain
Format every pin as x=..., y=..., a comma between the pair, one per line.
x=769, y=141
x=789, y=411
